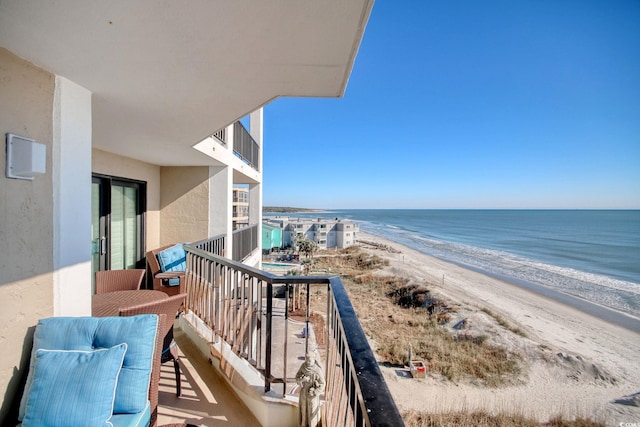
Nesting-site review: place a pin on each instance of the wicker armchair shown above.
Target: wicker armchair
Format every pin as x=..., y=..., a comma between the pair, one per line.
x=136, y=390
x=169, y=307
x=160, y=279
x=118, y=280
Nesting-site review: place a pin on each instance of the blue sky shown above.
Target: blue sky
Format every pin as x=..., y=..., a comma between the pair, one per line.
x=471, y=104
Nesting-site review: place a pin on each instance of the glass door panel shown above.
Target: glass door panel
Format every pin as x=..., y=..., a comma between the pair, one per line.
x=118, y=206
x=124, y=227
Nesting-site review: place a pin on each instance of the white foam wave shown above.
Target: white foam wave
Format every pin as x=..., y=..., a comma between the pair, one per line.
x=614, y=293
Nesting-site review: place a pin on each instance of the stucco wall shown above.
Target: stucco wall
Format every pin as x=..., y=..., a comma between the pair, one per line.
x=184, y=204
x=124, y=167
x=26, y=220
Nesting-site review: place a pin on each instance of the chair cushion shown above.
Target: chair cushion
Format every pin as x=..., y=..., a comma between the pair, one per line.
x=173, y=259
x=90, y=333
x=140, y=419
x=74, y=388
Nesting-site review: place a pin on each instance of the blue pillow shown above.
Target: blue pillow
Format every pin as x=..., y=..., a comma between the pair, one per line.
x=173, y=259
x=74, y=388
x=140, y=334
x=90, y=333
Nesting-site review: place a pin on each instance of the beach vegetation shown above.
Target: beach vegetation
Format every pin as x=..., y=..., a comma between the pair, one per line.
x=351, y=261
x=307, y=247
x=418, y=296
x=502, y=322
x=404, y=319
x=398, y=314
x=481, y=418
x=307, y=264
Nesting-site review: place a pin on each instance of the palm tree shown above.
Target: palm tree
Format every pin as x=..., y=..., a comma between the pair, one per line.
x=307, y=247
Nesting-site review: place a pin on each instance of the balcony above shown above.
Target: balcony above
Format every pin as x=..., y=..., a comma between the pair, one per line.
x=165, y=77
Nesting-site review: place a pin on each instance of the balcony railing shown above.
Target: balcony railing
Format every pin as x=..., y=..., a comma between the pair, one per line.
x=245, y=240
x=244, y=146
x=221, y=136
x=237, y=303
x=214, y=245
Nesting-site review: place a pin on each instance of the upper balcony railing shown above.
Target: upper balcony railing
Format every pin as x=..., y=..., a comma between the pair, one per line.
x=221, y=136
x=245, y=240
x=244, y=146
x=238, y=304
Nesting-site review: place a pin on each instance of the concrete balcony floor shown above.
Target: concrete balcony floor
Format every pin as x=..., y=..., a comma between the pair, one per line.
x=206, y=398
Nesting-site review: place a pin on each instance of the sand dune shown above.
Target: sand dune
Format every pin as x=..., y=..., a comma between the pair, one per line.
x=577, y=364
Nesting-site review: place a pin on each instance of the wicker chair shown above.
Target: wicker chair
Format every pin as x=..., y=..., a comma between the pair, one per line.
x=118, y=280
x=84, y=333
x=169, y=307
x=160, y=279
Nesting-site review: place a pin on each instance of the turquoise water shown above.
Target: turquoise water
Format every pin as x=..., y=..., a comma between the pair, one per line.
x=589, y=254
x=281, y=268
x=272, y=264
x=278, y=265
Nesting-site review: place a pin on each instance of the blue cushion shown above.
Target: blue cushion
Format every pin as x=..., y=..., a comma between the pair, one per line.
x=89, y=333
x=140, y=419
x=73, y=388
x=173, y=259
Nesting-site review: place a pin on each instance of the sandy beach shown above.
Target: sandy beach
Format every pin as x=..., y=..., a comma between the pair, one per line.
x=575, y=363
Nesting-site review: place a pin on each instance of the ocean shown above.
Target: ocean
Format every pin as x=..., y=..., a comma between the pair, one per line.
x=592, y=256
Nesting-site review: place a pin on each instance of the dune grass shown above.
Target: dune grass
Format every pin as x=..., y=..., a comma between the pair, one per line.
x=479, y=418
x=397, y=315
x=502, y=322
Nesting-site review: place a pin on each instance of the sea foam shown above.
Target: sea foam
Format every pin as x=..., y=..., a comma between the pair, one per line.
x=599, y=289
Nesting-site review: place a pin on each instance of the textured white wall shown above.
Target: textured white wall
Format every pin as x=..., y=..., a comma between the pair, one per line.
x=26, y=228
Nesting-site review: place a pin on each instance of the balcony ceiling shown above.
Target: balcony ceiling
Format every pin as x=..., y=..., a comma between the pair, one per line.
x=164, y=75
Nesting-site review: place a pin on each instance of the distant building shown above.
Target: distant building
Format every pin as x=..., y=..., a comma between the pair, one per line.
x=271, y=237
x=326, y=233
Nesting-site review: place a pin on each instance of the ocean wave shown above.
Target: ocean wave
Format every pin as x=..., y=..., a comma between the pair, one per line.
x=603, y=290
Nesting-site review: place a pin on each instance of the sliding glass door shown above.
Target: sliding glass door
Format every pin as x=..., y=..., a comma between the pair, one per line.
x=118, y=207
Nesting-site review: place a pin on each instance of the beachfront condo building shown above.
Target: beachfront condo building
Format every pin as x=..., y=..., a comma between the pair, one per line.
x=240, y=207
x=326, y=233
x=123, y=136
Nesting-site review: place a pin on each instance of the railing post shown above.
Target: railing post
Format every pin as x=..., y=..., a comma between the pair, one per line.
x=306, y=326
x=286, y=338
x=267, y=355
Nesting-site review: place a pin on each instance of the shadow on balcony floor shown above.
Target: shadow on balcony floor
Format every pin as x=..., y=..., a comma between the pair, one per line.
x=206, y=399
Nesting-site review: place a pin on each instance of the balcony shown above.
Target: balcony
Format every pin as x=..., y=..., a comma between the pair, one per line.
x=245, y=240
x=238, y=318
x=245, y=147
